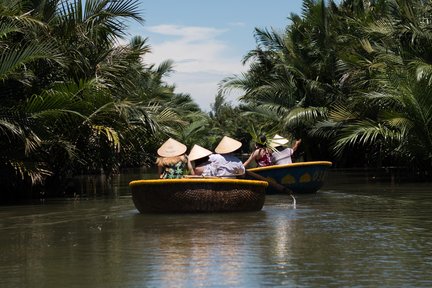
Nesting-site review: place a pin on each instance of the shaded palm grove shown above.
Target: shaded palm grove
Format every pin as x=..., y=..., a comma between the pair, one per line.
x=72, y=99
x=352, y=79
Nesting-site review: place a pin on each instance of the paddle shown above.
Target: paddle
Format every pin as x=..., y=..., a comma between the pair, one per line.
x=278, y=187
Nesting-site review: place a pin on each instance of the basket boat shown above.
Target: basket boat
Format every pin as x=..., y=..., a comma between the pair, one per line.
x=300, y=177
x=197, y=195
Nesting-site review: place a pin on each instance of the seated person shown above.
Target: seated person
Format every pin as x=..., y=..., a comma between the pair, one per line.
x=225, y=164
x=261, y=155
x=199, y=159
x=172, y=160
x=283, y=154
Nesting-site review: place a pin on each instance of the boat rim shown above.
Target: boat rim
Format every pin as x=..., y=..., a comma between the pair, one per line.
x=297, y=164
x=197, y=180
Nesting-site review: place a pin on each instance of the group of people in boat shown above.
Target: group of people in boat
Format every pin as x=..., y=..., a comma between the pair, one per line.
x=173, y=162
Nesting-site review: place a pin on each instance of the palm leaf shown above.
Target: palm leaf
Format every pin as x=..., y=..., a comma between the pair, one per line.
x=12, y=59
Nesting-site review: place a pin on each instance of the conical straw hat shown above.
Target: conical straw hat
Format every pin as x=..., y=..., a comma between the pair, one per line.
x=278, y=141
x=227, y=145
x=171, y=148
x=198, y=152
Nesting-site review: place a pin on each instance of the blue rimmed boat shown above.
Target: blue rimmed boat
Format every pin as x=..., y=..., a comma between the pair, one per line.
x=300, y=177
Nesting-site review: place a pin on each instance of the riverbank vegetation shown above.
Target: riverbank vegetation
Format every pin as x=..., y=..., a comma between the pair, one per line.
x=352, y=79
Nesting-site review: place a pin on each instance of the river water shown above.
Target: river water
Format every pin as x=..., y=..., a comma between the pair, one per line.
x=358, y=231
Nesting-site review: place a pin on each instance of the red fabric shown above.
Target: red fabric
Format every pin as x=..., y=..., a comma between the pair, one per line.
x=264, y=160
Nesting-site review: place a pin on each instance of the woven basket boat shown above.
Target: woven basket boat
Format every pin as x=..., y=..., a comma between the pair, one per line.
x=300, y=177
x=197, y=195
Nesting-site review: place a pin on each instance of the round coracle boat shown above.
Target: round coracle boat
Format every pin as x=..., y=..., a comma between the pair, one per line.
x=300, y=177
x=197, y=195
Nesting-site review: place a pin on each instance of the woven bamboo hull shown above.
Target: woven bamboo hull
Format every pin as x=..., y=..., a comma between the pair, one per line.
x=300, y=177
x=197, y=195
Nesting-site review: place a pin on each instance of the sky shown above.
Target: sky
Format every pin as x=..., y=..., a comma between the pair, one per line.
x=207, y=40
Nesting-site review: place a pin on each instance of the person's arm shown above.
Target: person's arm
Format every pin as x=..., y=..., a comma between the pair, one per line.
x=199, y=170
x=240, y=170
x=160, y=170
x=296, y=145
x=190, y=168
x=251, y=157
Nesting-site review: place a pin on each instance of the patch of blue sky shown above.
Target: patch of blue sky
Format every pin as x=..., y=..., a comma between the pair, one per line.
x=207, y=40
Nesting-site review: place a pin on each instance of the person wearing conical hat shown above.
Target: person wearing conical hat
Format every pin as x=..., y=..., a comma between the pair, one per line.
x=262, y=155
x=199, y=159
x=283, y=154
x=172, y=161
x=224, y=163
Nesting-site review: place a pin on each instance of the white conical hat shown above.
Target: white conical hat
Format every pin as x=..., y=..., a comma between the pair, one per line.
x=227, y=145
x=278, y=141
x=171, y=148
x=198, y=152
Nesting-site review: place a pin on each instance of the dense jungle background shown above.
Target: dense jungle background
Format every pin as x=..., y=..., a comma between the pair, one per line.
x=351, y=79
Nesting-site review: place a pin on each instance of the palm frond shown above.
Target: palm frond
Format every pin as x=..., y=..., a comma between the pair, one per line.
x=365, y=133
x=36, y=171
x=301, y=116
x=14, y=58
x=110, y=134
x=340, y=112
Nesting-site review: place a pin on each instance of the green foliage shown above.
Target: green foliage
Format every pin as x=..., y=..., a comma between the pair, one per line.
x=353, y=76
x=80, y=102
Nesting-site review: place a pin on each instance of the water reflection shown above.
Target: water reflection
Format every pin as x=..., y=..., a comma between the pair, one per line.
x=369, y=234
x=91, y=186
x=207, y=246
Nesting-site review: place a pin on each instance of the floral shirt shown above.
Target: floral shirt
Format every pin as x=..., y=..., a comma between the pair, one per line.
x=174, y=171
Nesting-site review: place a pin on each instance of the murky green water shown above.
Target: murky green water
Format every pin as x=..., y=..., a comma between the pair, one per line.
x=356, y=232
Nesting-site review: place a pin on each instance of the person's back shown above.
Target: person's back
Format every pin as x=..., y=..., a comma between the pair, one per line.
x=261, y=155
x=225, y=164
x=172, y=168
x=199, y=159
x=264, y=157
x=282, y=157
x=172, y=161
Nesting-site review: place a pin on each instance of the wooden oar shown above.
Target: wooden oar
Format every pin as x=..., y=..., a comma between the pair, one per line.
x=278, y=187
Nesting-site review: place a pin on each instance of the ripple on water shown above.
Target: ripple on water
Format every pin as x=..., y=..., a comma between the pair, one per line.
x=339, y=237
